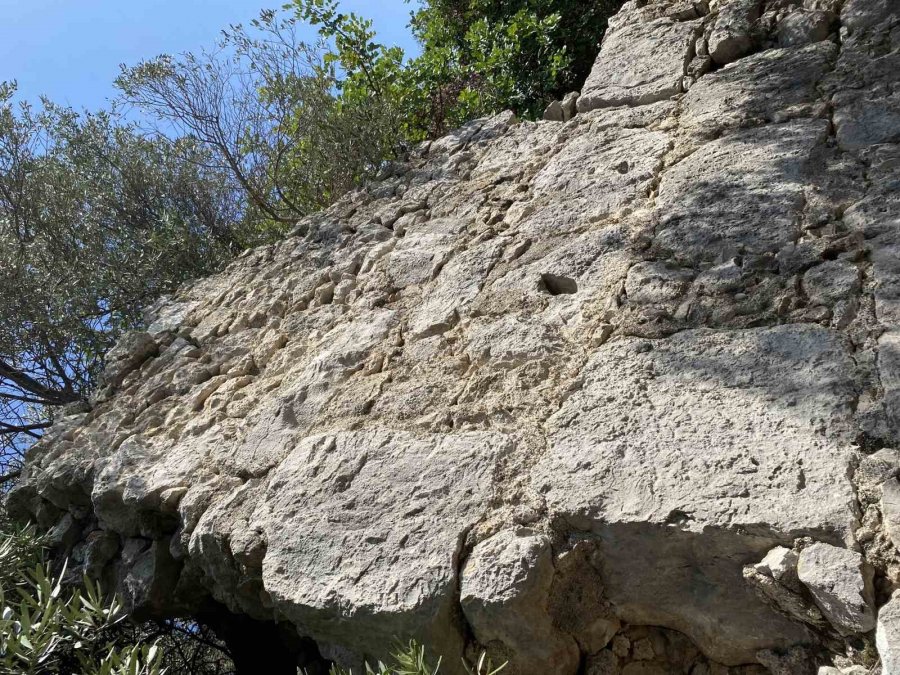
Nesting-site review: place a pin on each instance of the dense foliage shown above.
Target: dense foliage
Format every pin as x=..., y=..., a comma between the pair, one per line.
x=46, y=627
x=96, y=221
x=478, y=57
x=483, y=56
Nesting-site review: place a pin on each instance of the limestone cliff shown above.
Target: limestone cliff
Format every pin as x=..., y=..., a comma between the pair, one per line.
x=619, y=394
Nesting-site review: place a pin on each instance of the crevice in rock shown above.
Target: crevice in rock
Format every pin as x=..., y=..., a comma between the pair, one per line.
x=251, y=643
x=557, y=284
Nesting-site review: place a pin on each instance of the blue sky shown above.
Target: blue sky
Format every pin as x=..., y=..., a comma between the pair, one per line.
x=70, y=50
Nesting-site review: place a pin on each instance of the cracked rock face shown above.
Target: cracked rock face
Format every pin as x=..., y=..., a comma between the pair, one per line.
x=618, y=394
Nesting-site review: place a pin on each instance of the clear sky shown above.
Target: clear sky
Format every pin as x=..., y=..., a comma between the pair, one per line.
x=70, y=50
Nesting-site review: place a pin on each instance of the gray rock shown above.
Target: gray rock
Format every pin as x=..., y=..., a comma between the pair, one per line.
x=840, y=581
x=554, y=112
x=887, y=637
x=129, y=353
x=890, y=509
x=830, y=282
x=862, y=119
x=732, y=35
x=570, y=105
x=639, y=64
x=805, y=26
x=504, y=592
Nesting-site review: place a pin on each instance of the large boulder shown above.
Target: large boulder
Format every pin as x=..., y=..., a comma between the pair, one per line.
x=616, y=394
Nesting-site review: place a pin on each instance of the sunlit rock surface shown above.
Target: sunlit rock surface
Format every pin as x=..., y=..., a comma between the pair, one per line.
x=552, y=389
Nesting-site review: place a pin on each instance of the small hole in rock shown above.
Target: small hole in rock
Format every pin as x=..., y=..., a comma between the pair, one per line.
x=557, y=285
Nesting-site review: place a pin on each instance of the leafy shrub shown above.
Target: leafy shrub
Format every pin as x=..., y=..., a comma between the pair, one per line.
x=478, y=57
x=411, y=660
x=48, y=628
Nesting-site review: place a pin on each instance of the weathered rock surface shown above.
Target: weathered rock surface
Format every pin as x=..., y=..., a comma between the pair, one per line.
x=887, y=637
x=732, y=36
x=640, y=63
x=841, y=584
x=614, y=393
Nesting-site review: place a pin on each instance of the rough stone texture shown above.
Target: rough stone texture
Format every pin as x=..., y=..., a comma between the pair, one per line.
x=603, y=472
x=841, y=584
x=781, y=564
x=581, y=393
x=554, y=112
x=771, y=86
x=639, y=64
x=887, y=637
x=505, y=589
x=805, y=26
x=732, y=33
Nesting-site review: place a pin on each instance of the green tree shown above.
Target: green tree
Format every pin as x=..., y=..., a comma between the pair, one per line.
x=478, y=57
x=96, y=222
x=271, y=110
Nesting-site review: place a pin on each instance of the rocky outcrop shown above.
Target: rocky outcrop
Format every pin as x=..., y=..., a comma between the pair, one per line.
x=616, y=393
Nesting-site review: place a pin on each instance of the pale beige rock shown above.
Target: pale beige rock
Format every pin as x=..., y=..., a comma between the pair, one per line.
x=639, y=64
x=326, y=530
x=781, y=564
x=887, y=637
x=574, y=393
x=504, y=592
x=890, y=509
x=840, y=581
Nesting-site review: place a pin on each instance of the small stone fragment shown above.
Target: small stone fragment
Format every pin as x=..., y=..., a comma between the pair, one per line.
x=570, y=105
x=890, y=509
x=781, y=564
x=731, y=38
x=840, y=581
x=554, y=112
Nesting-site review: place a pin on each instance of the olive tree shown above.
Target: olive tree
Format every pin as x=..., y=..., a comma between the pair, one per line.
x=268, y=108
x=96, y=221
